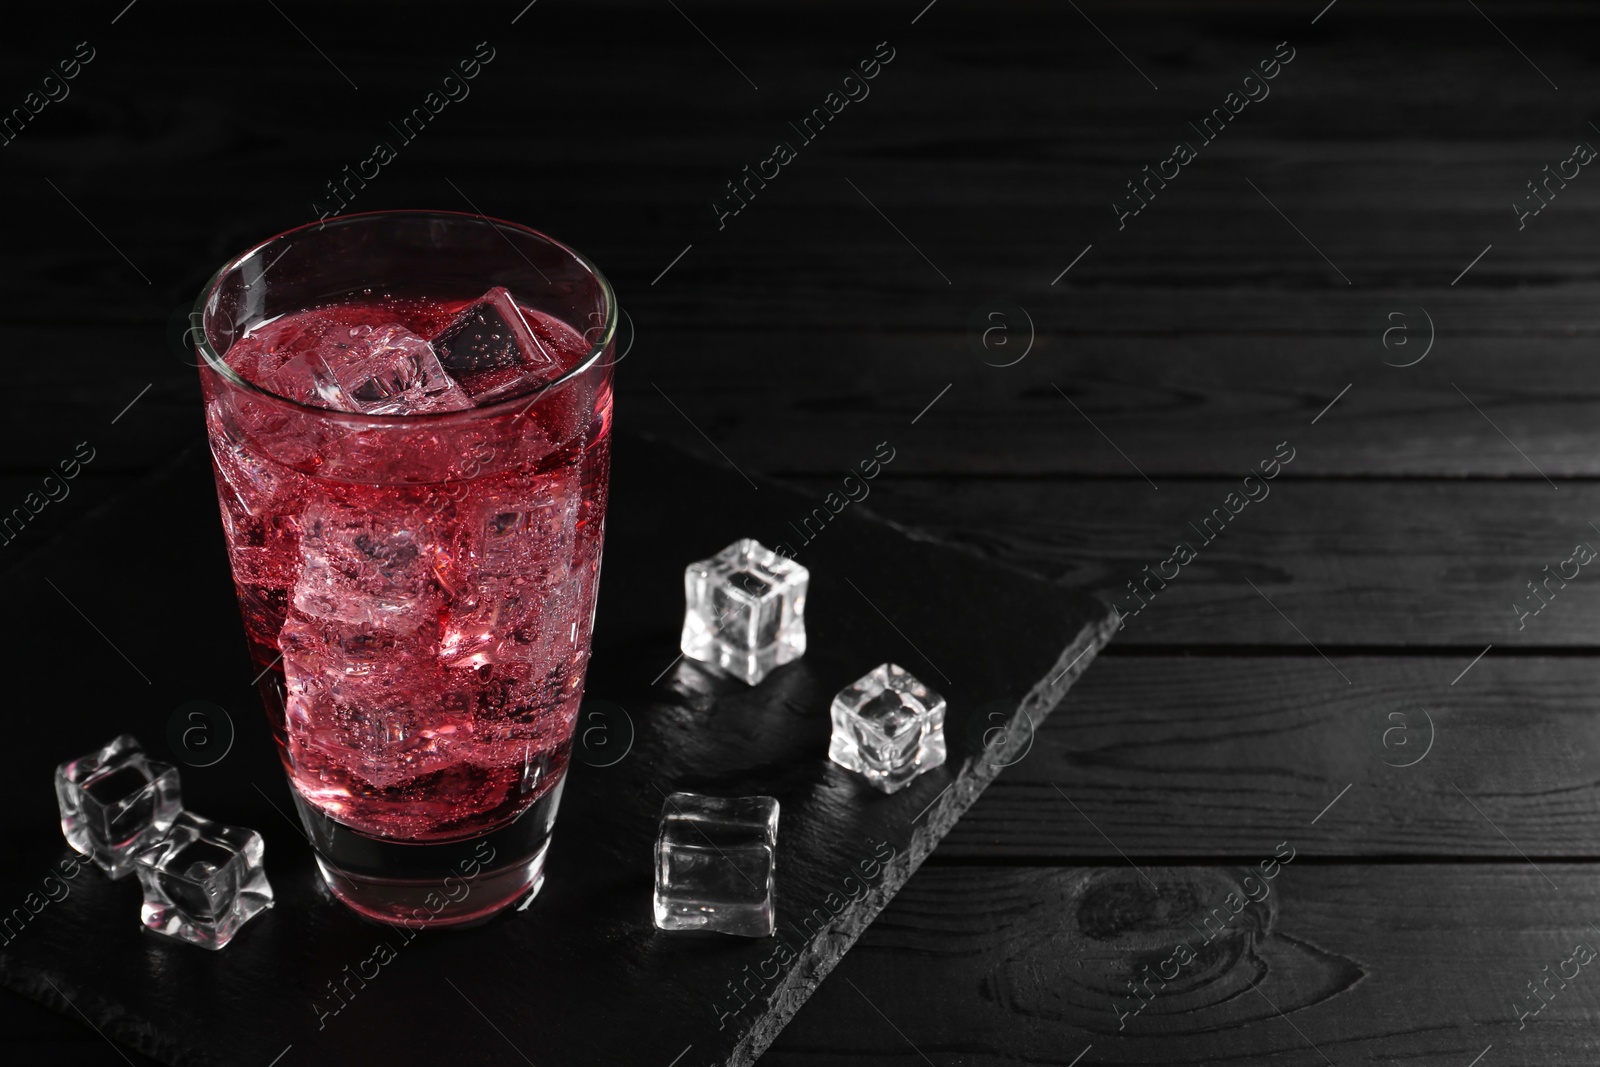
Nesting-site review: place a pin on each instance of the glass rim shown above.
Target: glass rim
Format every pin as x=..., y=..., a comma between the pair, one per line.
x=215, y=362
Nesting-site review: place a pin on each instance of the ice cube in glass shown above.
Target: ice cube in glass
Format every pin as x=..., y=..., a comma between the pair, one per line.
x=203, y=881
x=492, y=349
x=714, y=864
x=745, y=610
x=888, y=727
x=381, y=369
x=116, y=801
x=388, y=370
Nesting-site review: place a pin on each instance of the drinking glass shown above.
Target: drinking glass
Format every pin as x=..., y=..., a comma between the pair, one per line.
x=417, y=589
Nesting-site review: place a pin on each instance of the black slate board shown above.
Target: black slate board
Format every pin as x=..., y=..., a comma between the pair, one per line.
x=582, y=976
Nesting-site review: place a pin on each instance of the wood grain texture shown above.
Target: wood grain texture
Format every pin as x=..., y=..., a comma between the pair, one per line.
x=1358, y=564
x=1175, y=405
x=1360, y=964
x=1177, y=756
x=1402, y=195
x=1185, y=405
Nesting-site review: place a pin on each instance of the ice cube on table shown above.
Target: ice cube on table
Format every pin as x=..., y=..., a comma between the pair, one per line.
x=116, y=801
x=492, y=350
x=888, y=727
x=203, y=881
x=714, y=864
x=745, y=610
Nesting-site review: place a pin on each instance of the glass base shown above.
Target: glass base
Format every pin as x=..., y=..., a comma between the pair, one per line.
x=419, y=904
x=439, y=884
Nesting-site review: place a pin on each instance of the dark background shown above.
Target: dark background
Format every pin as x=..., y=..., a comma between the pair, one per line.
x=1325, y=638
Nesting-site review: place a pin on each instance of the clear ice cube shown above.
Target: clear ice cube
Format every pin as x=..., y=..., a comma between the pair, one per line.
x=483, y=627
x=745, y=610
x=281, y=356
x=388, y=370
x=360, y=648
x=380, y=717
x=115, y=802
x=372, y=370
x=259, y=504
x=366, y=570
x=492, y=349
x=203, y=881
x=306, y=378
x=714, y=864
x=888, y=727
x=508, y=585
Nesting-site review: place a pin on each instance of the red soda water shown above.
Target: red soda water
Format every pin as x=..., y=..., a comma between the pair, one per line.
x=418, y=592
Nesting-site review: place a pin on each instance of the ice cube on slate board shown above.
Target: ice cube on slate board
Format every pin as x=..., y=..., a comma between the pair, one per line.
x=203, y=881
x=492, y=350
x=888, y=727
x=714, y=864
x=745, y=610
x=115, y=802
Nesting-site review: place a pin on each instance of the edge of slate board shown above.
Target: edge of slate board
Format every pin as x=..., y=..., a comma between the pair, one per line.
x=1040, y=701
x=1007, y=741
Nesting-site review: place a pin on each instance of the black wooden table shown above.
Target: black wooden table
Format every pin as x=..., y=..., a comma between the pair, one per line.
x=1330, y=795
